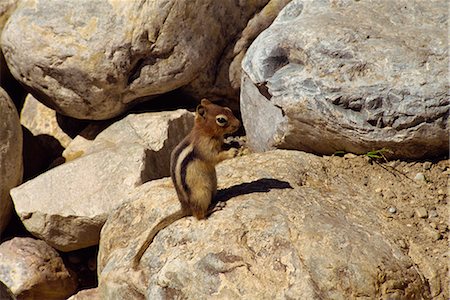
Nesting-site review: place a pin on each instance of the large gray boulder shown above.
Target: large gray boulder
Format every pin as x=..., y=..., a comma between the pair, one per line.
x=290, y=228
x=11, y=165
x=350, y=75
x=92, y=59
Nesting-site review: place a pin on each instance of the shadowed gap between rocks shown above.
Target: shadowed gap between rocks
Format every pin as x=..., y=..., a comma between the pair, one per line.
x=40, y=153
x=157, y=162
x=262, y=185
x=5, y=292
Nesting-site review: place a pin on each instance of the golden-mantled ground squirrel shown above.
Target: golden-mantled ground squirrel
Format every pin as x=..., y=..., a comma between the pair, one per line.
x=192, y=165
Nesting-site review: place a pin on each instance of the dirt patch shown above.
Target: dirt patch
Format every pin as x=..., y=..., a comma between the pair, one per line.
x=412, y=196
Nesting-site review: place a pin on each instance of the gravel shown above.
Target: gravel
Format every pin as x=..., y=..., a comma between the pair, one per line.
x=392, y=210
x=421, y=212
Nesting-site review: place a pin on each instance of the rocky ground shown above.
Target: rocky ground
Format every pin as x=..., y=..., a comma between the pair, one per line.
x=403, y=203
x=413, y=197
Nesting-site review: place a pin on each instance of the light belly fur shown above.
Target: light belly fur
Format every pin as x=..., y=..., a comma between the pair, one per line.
x=201, y=177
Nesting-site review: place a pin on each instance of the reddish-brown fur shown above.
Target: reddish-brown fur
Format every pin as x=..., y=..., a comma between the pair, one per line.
x=193, y=164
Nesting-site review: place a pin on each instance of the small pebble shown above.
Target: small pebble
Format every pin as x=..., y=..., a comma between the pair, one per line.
x=378, y=190
x=388, y=194
x=427, y=165
x=421, y=212
x=419, y=177
x=443, y=228
x=434, y=234
x=392, y=210
x=432, y=214
x=349, y=155
x=441, y=192
x=394, y=163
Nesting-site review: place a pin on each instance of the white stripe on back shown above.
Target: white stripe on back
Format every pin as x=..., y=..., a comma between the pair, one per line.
x=186, y=151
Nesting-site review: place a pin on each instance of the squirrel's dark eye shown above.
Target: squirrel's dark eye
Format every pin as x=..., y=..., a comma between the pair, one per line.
x=221, y=120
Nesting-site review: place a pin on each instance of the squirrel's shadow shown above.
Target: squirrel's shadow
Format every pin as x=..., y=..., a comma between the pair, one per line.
x=263, y=185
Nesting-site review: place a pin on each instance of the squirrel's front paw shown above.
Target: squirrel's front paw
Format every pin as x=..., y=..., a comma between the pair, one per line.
x=232, y=152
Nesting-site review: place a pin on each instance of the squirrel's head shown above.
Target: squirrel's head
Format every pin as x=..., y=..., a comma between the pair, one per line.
x=215, y=119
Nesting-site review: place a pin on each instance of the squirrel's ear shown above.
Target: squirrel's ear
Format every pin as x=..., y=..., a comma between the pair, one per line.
x=205, y=102
x=201, y=111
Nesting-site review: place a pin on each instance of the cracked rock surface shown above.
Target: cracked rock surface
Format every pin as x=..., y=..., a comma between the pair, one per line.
x=11, y=161
x=67, y=205
x=351, y=76
x=34, y=270
x=92, y=59
x=293, y=224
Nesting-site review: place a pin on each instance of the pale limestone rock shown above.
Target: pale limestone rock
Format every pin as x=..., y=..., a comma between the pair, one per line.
x=41, y=120
x=159, y=132
x=6, y=9
x=74, y=199
x=67, y=205
x=287, y=231
x=350, y=76
x=34, y=270
x=93, y=59
x=10, y=155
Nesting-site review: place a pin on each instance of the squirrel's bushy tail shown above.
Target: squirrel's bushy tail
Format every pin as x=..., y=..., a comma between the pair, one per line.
x=160, y=226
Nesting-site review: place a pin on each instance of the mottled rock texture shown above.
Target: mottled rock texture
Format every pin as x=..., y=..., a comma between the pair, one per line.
x=6, y=9
x=350, y=76
x=159, y=132
x=10, y=155
x=7, y=81
x=41, y=120
x=255, y=26
x=34, y=270
x=67, y=205
x=92, y=59
x=288, y=230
